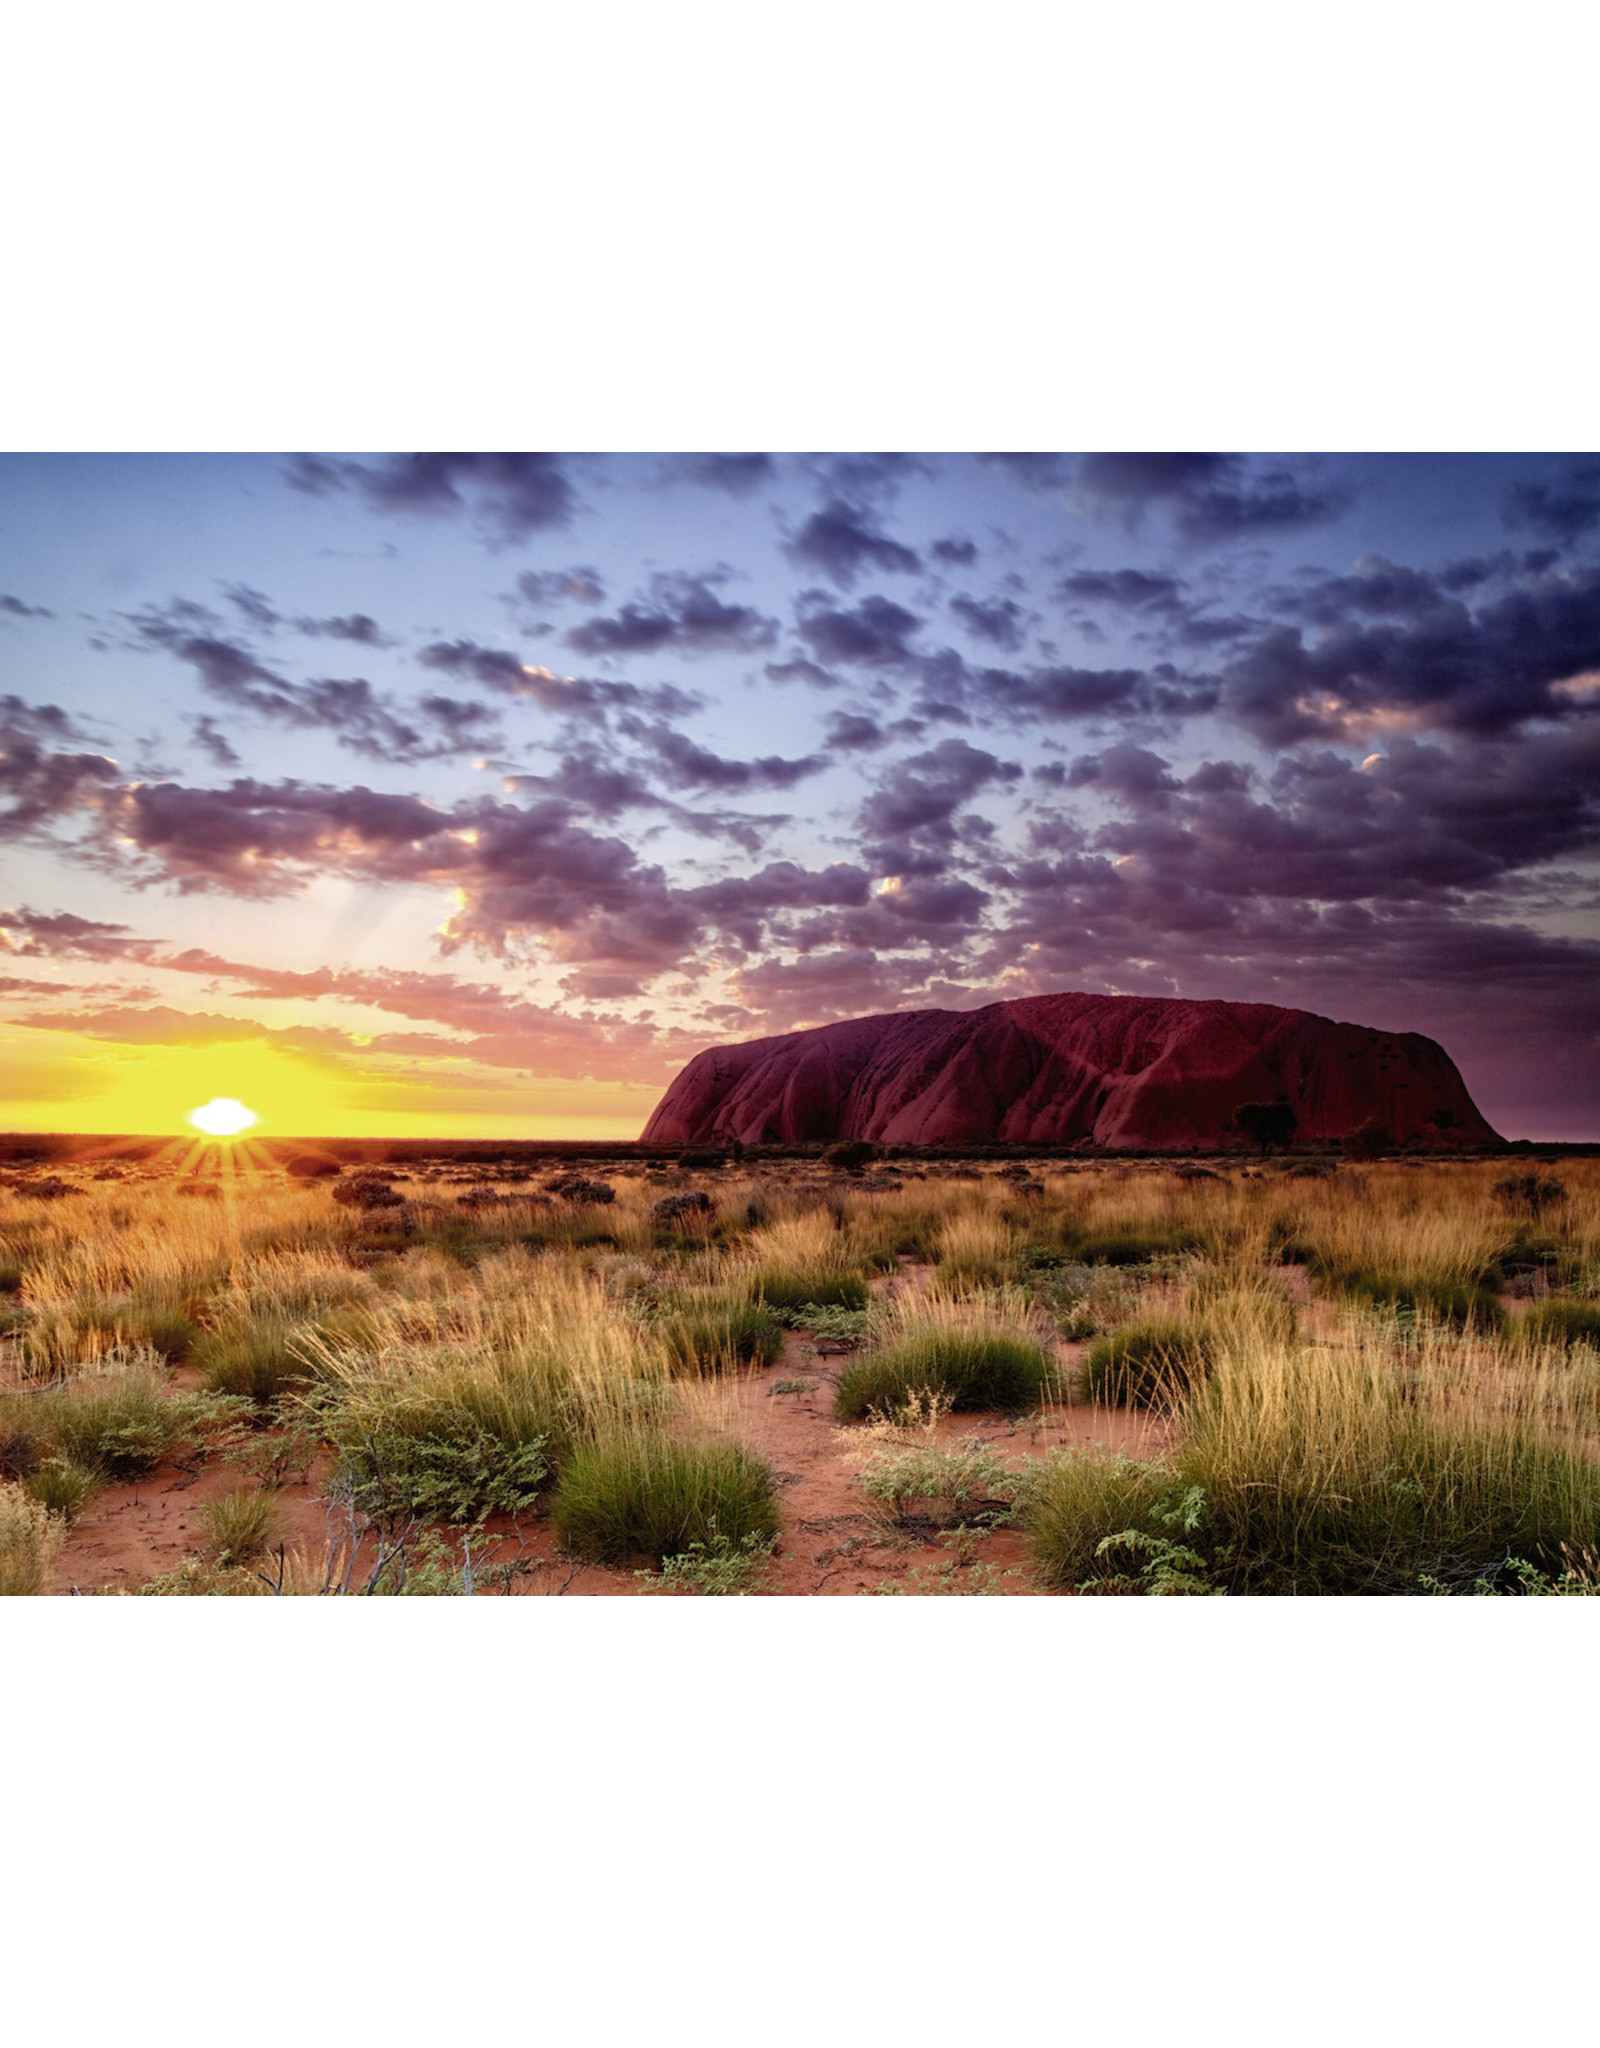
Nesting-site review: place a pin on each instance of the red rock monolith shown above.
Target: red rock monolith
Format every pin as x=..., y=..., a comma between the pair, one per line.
x=1142, y=1073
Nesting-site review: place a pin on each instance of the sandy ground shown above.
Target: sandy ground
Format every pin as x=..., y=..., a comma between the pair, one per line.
x=834, y=1539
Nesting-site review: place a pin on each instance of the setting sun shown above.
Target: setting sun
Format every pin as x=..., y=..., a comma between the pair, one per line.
x=222, y=1117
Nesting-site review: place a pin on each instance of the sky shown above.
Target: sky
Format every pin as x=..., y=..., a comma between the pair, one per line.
x=454, y=795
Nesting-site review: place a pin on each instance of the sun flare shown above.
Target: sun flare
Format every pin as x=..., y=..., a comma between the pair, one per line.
x=222, y=1117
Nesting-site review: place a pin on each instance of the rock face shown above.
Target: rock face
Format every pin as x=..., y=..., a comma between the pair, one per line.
x=1136, y=1072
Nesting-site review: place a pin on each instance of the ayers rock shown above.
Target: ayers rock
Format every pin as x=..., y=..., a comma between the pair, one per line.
x=1144, y=1073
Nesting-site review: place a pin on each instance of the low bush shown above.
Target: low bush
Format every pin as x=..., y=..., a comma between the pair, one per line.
x=240, y=1524
x=850, y=1153
x=920, y=1483
x=717, y=1568
x=683, y=1211
x=976, y=1368
x=1529, y=1194
x=256, y=1360
x=643, y=1494
x=1561, y=1324
x=578, y=1189
x=121, y=1420
x=710, y=1338
x=427, y=1456
x=1146, y=1365
x=367, y=1193
x=30, y=1542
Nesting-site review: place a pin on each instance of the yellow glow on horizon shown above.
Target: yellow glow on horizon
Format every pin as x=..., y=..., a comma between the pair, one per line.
x=54, y=1080
x=224, y=1116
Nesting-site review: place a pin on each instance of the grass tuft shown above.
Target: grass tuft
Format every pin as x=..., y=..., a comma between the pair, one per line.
x=640, y=1493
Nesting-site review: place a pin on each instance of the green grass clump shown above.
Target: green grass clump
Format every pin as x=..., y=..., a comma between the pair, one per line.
x=30, y=1542
x=1075, y=1499
x=240, y=1524
x=711, y=1337
x=1456, y=1303
x=1561, y=1324
x=1130, y=1247
x=256, y=1360
x=976, y=1368
x=641, y=1493
x=63, y=1486
x=785, y=1287
x=1331, y=1472
x=1146, y=1365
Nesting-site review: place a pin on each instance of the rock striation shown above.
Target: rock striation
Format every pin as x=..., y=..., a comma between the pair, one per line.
x=1142, y=1073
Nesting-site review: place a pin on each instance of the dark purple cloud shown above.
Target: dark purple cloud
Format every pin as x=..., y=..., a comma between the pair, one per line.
x=840, y=542
x=683, y=615
x=1001, y=621
x=1391, y=646
x=19, y=610
x=1208, y=499
x=738, y=475
x=873, y=634
x=1563, y=511
x=509, y=496
x=37, y=783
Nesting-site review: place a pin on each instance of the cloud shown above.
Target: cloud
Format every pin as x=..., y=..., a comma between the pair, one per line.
x=955, y=554
x=574, y=696
x=508, y=496
x=1393, y=649
x=1124, y=589
x=561, y=586
x=1207, y=498
x=738, y=475
x=1563, y=511
x=38, y=785
x=918, y=798
x=685, y=764
x=839, y=541
x=999, y=622
x=872, y=634
x=64, y=935
x=19, y=610
x=683, y=616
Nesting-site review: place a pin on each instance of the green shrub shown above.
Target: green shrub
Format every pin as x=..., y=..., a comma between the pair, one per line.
x=1075, y=1499
x=63, y=1486
x=255, y=1359
x=791, y=1286
x=976, y=1368
x=1561, y=1323
x=719, y=1567
x=919, y=1483
x=709, y=1337
x=240, y=1523
x=122, y=1420
x=1453, y=1302
x=642, y=1493
x=439, y=1459
x=30, y=1542
x=1146, y=1365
